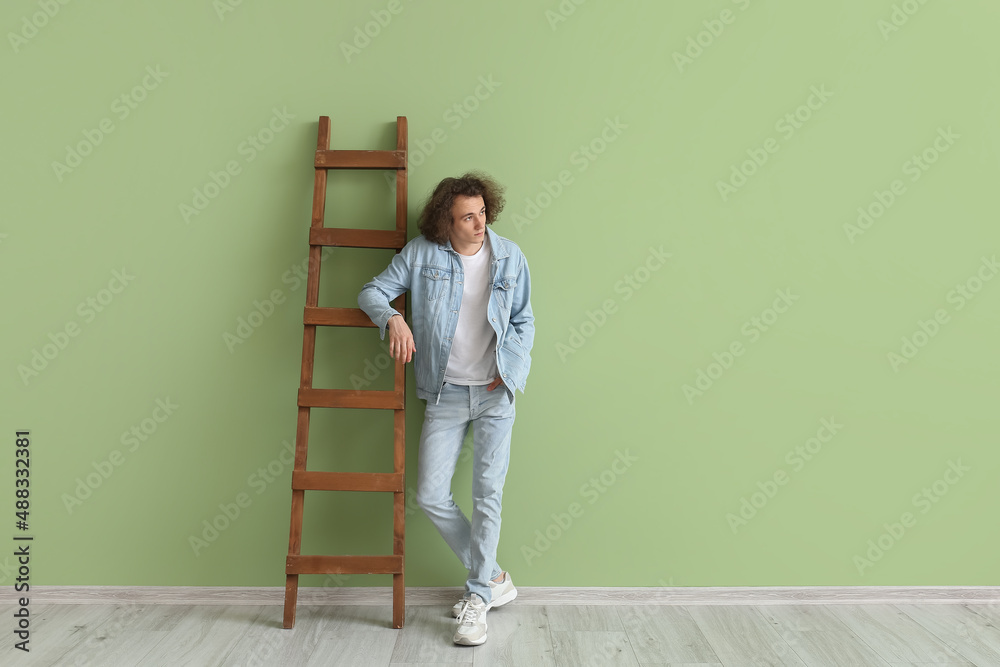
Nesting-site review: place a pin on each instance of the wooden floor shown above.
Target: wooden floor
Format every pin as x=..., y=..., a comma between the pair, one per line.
x=519, y=635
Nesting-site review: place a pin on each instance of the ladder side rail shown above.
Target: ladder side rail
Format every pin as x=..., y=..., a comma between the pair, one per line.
x=308, y=358
x=399, y=416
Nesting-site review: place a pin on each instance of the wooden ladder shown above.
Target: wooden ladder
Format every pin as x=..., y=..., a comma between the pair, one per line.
x=306, y=480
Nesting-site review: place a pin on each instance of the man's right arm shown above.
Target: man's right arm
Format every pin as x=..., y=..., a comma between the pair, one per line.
x=376, y=295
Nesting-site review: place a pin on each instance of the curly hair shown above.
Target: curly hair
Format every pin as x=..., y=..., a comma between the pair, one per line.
x=435, y=220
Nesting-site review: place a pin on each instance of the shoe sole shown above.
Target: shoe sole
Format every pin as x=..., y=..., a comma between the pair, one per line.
x=467, y=642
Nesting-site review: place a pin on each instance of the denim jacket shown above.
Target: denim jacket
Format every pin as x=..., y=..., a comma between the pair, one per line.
x=433, y=273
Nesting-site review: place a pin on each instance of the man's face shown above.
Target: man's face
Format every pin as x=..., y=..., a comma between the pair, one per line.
x=468, y=221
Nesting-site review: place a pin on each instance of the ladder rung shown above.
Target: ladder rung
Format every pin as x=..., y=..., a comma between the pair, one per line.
x=306, y=480
x=350, y=398
x=343, y=564
x=361, y=159
x=337, y=317
x=357, y=238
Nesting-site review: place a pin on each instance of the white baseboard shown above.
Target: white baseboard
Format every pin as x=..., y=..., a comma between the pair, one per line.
x=530, y=595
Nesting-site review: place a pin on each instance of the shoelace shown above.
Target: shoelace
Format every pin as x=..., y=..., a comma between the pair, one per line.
x=469, y=614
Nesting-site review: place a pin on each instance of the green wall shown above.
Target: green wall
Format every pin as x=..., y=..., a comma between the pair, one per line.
x=738, y=379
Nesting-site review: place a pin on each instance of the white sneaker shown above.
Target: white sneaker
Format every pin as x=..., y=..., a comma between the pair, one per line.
x=457, y=609
x=501, y=594
x=471, y=622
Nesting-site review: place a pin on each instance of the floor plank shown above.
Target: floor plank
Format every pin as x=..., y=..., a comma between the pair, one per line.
x=962, y=630
x=427, y=637
x=990, y=613
x=272, y=644
x=592, y=618
x=129, y=632
x=360, y=647
x=576, y=648
x=819, y=637
x=739, y=635
x=833, y=648
x=665, y=635
x=516, y=636
x=67, y=630
x=802, y=618
x=204, y=636
x=896, y=637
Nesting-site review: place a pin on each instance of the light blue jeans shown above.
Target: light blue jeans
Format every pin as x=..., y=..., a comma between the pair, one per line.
x=446, y=423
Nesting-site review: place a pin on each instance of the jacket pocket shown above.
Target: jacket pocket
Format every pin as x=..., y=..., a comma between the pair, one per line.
x=503, y=291
x=512, y=344
x=436, y=282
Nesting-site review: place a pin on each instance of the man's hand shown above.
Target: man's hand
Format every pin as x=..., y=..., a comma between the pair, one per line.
x=493, y=385
x=400, y=339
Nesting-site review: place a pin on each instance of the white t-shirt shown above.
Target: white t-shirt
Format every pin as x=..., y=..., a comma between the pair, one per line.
x=473, y=351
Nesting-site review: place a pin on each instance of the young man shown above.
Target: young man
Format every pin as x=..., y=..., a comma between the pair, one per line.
x=471, y=343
